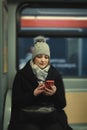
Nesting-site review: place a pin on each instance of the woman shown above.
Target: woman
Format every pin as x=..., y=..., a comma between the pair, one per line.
x=30, y=90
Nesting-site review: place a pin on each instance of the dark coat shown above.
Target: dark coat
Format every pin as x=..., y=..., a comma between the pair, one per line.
x=22, y=93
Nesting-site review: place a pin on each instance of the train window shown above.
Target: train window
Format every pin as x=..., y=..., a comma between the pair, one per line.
x=66, y=32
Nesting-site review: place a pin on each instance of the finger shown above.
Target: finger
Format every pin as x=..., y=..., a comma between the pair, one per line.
x=48, y=93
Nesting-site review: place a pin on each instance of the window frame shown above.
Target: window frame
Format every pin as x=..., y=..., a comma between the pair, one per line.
x=57, y=33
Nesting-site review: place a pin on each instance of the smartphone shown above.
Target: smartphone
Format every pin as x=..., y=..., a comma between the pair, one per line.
x=49, y=83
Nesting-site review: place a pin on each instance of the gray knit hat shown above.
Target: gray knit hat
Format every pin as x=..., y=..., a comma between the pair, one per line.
x=40, y=47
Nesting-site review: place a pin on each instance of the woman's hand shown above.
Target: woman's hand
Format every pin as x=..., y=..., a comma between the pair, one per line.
x=40, y=89
x=50, y=91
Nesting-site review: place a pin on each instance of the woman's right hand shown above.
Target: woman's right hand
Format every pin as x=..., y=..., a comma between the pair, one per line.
x=39, y=89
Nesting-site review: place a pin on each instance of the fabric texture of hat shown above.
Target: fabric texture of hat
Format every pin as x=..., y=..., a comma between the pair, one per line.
x=40, y=48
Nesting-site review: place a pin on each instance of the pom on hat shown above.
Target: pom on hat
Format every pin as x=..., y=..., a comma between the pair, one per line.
x=39, y=39
x=40, y=47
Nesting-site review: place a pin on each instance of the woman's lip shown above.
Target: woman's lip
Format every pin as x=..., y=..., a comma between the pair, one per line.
x=42, y=64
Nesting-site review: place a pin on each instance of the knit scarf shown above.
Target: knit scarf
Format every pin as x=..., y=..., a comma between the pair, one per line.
x=41, y=74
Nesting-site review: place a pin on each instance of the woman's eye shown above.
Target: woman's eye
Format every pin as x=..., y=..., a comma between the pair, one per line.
x=39, y=56
x=47, y=57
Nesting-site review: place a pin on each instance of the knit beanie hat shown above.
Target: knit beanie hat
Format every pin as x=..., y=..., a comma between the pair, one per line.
x=40, y=47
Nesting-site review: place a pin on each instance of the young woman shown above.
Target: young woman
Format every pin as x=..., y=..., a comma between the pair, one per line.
x=31, y=89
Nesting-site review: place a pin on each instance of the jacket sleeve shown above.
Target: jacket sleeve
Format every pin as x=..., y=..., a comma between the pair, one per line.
x=59, y=97
x=22, y=92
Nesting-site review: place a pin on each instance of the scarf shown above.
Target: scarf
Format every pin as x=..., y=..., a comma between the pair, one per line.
x=41, y=74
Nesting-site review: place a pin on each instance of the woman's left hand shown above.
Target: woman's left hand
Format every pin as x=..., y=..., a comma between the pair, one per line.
x=50, y=91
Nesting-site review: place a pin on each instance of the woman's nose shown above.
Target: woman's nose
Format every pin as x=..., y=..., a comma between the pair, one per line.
x=42, y=58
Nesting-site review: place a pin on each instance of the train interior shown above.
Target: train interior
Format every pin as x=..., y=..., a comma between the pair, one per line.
x=64, y=23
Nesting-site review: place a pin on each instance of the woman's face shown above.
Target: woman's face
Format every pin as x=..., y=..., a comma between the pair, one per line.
x=41, y=60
